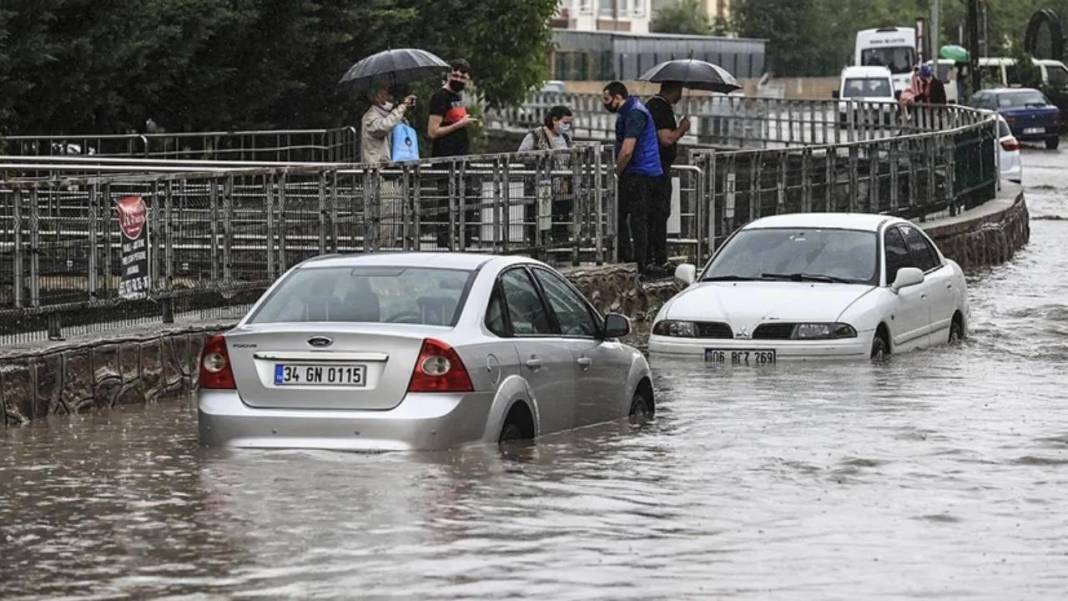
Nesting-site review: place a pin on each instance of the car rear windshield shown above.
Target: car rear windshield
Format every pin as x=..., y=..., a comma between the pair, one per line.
x=1021, y=99
x=836, y=255
x=414, y=295
x=876, y=87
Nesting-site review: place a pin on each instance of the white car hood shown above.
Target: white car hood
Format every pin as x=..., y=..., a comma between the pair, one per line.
x=748, y=304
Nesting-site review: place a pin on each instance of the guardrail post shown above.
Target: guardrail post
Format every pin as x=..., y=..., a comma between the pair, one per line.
x=577, y=205
x=93, y=224
x=168, y=231
x=496, y=204
x=806, y=180
x=893, y=154
x=854, y=183
x=949, y=184
x=322, y=212
x=711, y=179
x=730, y=196
x=756, y=165
x=452, y=206
x=17, y=252
x=281, y=179
x=213, y=200
x=228, y=227
x=932, y=179
x=268, y=195
x=506, y=202
x=333, y=212
x=461, y=197
x=873, y=176
x=598, y=207
x=780, y=183
x=35, y=249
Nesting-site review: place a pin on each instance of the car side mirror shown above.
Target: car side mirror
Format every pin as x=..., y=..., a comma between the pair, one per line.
x=616, y=325
x=686, y=273
x=835, y=94
x=907, y=276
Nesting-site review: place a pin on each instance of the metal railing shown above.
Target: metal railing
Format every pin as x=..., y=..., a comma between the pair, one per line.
x=221, y=230
x=315, y=145
x=749, y=122
x=223, y=233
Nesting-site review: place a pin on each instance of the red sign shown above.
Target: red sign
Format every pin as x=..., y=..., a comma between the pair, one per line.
x=132, y=214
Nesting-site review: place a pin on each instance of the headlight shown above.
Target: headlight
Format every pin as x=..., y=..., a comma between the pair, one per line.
x=679, y=329
x=823, y=331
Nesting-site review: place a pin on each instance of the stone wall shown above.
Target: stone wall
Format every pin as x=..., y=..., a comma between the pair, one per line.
x=987, y=240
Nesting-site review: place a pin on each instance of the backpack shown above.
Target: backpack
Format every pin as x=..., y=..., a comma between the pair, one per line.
x=404, y=145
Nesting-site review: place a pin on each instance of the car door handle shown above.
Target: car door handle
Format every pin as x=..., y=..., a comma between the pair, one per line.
x=534, y=363
x=584, y=362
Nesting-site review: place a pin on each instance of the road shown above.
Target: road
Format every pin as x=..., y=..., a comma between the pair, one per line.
x=939, y=474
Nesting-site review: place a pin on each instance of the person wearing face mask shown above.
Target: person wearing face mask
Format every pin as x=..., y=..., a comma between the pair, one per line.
x=378, y=122
x=639, y=170
x=448, y=121
x=668, y=134
x=554, y=134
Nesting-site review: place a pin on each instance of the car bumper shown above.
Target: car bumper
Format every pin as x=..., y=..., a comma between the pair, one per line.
x=785, y=350
x=420, y=422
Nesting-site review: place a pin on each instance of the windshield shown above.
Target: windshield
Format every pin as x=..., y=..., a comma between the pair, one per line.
x=368, y=294
x=867, y=87
x=1058, y=76
x=1021, y=99
x=899, y=59
x=798, y=254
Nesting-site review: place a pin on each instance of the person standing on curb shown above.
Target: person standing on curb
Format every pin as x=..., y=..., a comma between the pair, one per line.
x=638, y=168
x=448, y=121
x=668, y=134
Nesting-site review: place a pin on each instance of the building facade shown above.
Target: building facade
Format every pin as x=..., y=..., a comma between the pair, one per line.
x=628, y=16
x=715, y=9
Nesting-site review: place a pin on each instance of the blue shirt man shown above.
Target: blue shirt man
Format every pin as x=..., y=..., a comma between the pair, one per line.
x=638, y=167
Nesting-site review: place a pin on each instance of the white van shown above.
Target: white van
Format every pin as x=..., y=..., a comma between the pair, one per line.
x=890, y=47
x=867, y=85
x=1000, y=72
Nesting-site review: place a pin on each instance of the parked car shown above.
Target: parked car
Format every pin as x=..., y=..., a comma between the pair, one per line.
x=417, y=351
x=815, y=286
x=1009, y=159
x=1030, y=115
x=866, y=94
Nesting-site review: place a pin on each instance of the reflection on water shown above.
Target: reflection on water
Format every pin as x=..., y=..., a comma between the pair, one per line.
x=940, y=473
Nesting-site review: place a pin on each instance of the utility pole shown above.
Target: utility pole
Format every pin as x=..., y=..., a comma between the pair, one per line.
x=973, y=43
x=936, y=27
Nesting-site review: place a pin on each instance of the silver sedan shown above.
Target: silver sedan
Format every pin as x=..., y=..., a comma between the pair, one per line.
x=417, y=351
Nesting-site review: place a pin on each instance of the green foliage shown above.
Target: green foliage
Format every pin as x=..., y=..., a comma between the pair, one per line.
x=682, y=16
x=94, y=66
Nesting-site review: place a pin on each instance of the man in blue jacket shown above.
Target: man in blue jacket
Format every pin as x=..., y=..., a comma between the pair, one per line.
x=638, y=168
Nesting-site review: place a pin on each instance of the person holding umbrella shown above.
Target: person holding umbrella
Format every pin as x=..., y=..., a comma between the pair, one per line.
x=378, y=122
x=668, y=134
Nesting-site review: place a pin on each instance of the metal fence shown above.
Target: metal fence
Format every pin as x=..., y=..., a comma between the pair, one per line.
x=221, y=230
x=221, y=235
x=748, y=122
x=317, y=145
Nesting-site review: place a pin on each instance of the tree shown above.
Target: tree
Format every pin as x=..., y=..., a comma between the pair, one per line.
x=682, y=16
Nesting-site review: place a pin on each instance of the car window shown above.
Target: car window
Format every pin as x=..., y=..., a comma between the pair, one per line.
x=571, y=310
x=525, y=309
x=1057, y=76
x=1022, y=98
x=1003, y=129
x=378, y=294
x=495, y=314
x=897, y=253
x=922, y=254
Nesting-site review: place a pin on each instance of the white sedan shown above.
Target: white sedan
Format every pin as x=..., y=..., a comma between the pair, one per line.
x=417, y=351
x=815, y=286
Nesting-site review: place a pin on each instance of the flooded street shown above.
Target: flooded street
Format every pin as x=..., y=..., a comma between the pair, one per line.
x=941, y=474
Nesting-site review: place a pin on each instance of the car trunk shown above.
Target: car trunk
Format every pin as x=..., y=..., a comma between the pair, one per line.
x=1027, y=118
x=365, y=367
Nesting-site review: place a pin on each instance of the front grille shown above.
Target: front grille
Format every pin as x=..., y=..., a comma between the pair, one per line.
x=713, y=329
x=773, y=331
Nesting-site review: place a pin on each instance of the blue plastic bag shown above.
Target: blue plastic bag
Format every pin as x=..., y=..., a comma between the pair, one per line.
x=404, y=143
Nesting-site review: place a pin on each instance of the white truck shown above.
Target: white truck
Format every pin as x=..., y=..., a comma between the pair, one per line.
x=890, y=47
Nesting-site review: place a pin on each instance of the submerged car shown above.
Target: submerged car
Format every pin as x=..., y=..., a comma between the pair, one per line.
x=417, y=351
x=815, y=286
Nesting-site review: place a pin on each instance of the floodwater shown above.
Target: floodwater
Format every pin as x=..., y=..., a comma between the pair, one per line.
x=942, y=474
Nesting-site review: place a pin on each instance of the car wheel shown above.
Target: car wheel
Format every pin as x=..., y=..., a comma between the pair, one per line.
x=956, y=332
x=510, y=433
x=1053, y=143
x=641, y=408
x=880, y=350
x=518, y=426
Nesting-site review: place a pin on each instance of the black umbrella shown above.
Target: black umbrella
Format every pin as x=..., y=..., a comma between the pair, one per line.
x=393, y=67
x=693, y=74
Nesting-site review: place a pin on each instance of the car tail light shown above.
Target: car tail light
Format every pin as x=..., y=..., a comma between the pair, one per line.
x=1010, y=144
x=439, y=369
x=215, y=369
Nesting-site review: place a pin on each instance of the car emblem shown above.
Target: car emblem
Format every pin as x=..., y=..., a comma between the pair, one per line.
x=743, y=333
x=320, y=341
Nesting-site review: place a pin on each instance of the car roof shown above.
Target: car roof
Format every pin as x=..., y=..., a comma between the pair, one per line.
x=868, y=71
x=1007, y=90
x=846, y=221
x=439, y=260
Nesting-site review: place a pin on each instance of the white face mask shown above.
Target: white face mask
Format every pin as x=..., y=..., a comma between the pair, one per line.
x=563, y=128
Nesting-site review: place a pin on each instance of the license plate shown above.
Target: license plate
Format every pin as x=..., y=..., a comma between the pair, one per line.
x=740, y=356
x=1034, y=130
x=320, y=375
